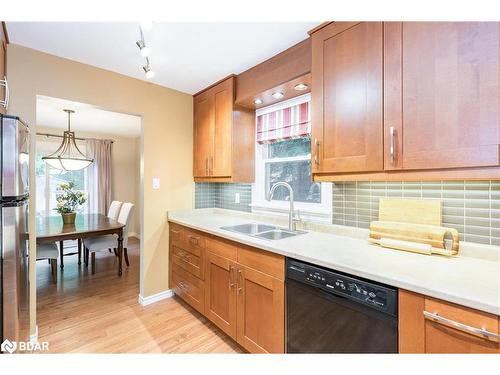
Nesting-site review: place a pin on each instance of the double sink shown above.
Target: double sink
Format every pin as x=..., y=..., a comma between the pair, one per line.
x=265, y=231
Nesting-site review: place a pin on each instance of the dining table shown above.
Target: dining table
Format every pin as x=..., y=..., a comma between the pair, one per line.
x=50, y=229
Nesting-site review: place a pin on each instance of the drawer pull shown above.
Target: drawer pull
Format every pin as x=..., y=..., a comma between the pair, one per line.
x=183, y=286
x=194, y=240
x=174, y=231
x=481, y=332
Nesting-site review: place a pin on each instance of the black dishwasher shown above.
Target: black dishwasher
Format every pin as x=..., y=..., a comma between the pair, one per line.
x=332, y=312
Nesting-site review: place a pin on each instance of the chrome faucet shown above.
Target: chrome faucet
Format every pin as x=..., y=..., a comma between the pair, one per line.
x=292, y=221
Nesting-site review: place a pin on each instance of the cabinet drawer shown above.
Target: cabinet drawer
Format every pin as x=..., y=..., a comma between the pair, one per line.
x=263, y=261
x=451, y=328
x=193, y=242
x=221, y=247
x=187, y=261
x=189, y=288
x=176, y=234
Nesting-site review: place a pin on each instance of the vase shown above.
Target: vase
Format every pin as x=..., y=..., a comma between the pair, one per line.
x=69, y=218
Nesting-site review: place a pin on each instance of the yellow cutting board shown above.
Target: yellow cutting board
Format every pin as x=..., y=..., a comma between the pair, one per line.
x=414, y=211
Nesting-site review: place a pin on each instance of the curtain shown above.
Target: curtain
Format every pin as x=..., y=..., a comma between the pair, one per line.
x=99, y=175
x=287, y=123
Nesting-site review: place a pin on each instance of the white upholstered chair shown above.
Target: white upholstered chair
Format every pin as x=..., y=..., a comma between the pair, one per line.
x=113, y=212
x=94, y=244
x=114, y=209
x=50, y=252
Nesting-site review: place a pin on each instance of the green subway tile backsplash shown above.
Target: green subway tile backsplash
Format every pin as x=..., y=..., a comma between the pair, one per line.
x=471, y=207
x=222, y=195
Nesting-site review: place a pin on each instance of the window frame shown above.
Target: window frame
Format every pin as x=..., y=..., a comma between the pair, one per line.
x=309, y=211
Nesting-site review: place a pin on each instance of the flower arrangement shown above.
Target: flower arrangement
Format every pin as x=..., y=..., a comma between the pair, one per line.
x=68, y=201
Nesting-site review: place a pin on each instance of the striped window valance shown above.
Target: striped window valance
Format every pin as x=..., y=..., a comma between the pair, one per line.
x=287, y=123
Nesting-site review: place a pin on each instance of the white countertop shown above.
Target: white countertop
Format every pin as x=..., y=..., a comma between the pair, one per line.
x=465, y=280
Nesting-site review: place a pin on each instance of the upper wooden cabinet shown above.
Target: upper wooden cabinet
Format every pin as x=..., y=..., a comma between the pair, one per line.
x=443, y=101
x=224, y=136
x=347, y=121
x=411, y=100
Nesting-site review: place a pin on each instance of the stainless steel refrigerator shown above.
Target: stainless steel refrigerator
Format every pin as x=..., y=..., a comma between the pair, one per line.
x=14, y=301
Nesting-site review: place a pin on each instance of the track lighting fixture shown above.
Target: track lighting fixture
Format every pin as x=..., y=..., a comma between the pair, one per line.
x=147, y=69
x=145, y=51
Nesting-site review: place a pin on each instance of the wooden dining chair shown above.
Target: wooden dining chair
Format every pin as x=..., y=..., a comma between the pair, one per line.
x=93, y=244
x=50, y=252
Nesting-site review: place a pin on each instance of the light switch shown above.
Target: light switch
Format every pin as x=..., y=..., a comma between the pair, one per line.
x=237, y=198
x=156, y=183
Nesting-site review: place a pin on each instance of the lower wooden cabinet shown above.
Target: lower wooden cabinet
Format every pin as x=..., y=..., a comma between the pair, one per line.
x=239, y=288
x=220, y=296
x=428, y=325
x=261, y=311
x=188, y=287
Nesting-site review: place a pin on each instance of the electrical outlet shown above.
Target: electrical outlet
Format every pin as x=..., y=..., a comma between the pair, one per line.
x=237, y=198
x=156, y=183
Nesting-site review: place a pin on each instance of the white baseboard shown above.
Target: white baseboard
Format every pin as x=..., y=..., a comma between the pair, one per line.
x=144, y=301
x=34, y=337
x=133, y=234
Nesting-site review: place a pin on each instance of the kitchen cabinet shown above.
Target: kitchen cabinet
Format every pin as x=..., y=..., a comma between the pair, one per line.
x=220, y=297
x=347, y=121
x=429, y=325
x=406, y=101
x=242, y=287
x=261, y=306
x=224, y=136
x=444, y=104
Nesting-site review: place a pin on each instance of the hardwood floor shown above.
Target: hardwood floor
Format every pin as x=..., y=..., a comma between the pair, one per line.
x=100, y=314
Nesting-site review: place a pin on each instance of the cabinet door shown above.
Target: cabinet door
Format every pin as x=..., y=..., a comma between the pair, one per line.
x=220, y=162
x=261, y=312
x=203, y=134
x=450, y=94
x=347, y=98
x=220, y=293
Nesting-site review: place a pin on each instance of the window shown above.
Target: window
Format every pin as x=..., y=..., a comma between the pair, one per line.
x=48, y=179
x=288, y=160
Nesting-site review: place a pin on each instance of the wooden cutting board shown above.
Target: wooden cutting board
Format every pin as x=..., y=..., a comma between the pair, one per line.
x=414, y=211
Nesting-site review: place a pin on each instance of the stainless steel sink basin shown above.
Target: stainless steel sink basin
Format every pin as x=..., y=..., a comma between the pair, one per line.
x=265, y=231
x=276, y=234
x=251, y=229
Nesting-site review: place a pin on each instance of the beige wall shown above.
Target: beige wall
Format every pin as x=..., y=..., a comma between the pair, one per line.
x=125, y=163
x=166, y=142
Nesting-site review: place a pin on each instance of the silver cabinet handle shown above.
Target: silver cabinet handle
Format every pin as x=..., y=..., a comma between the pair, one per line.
x=481, y=332
x=391, y=146
x=207, y=169
x=231, y=273
x=316, y=152
x=5, y=83
x=212, y=166
x=240, y=288
x=194, y=240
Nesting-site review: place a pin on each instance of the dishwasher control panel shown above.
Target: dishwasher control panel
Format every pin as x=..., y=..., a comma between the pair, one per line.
x=369, y=293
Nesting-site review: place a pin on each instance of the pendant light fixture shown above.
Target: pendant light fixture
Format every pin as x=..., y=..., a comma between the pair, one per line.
x=68, y=156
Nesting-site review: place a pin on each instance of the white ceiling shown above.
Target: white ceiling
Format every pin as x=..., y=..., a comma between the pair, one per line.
x=185, y=56
x=87, y=118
